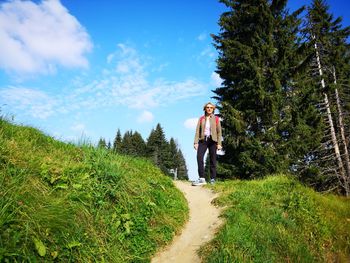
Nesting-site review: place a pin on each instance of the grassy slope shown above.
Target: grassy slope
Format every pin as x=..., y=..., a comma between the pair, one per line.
x=279, y=220
x=78, y=204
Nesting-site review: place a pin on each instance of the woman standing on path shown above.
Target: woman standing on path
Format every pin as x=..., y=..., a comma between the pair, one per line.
x=208, y=136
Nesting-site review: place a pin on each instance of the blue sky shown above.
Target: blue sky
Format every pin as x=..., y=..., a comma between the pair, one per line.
x=82, y=69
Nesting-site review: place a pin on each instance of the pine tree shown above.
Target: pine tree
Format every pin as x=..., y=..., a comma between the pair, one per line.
x=102, y=143
x=133, y=144
x=331, y=73
x=117, y=142
x=166, y=155
x=173, y=154
x=306, y=126
x=126, y=147
x=176, y=163
x=138, y=145
x=257, y=47
x=153, y=145
x=158, y=149
x=182, y=172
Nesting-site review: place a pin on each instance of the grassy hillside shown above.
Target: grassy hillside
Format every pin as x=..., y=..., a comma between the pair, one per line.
x=63, y=203
x=279, y=220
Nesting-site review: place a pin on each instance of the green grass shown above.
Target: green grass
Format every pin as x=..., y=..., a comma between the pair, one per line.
x=279, y=220
x=63, y=203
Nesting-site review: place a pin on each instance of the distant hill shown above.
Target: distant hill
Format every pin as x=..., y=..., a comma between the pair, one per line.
x=66, y=203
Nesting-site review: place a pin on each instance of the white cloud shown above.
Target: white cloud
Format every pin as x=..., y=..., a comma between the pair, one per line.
x=126, y=82
x=37, y=37
x=191, y=123
x=131, y=88
x=202, y=36
x=144, y=100
x=207, y=56
x=79, y=133
x=146, y=116
x=215, y=79
x=161, y=67
x=110, y=58
x=208, y=52
x=34, y=102
x=126, y=61
x=78, y=127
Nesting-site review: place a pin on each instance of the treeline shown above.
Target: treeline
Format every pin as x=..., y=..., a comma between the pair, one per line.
x=165, y=154
x=285, y=98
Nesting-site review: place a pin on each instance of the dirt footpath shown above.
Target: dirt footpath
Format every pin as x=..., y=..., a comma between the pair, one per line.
x=201, y=227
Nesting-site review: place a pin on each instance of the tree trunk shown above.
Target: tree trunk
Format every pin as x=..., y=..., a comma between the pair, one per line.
x=331, y=127
x=343, y=137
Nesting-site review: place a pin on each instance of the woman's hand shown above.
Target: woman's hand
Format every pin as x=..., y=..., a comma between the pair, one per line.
x=219, y=147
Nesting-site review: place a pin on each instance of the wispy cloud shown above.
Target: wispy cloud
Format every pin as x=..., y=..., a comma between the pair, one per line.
x=215, y=79
x=37, y=37
x=208, y=52
x=145, y=116
x=191, y=123
x=128, y=61
x=78, y=127
x=123, y=81
x=206, y=56
x=202, y=36
x=161, y=67
x=35, y=102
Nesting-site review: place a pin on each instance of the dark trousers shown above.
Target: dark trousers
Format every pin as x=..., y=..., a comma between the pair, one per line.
x=203, y=145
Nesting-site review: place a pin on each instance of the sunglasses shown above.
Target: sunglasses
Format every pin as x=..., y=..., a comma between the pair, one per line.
x=208, y=107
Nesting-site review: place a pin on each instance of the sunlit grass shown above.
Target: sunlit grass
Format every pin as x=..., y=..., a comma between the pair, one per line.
x=279, y=220
x=63, y=203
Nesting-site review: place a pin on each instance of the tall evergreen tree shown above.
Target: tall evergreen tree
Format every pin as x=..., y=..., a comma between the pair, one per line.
x=133, y=144
x=176, y=161
x=138, y=145
x=182, y=172
x=330, y=69
x=102, y=143
x=173, y=154
x=126, y=143
x=153, y=145
x=158, y=149
x=306, y=127
x=117, y=142
x=257, y=47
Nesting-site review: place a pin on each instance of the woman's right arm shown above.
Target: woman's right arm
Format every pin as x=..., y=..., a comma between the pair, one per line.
x=196, y=136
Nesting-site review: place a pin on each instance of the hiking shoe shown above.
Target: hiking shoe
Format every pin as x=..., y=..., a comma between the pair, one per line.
x=200, y=181
x=212, y=181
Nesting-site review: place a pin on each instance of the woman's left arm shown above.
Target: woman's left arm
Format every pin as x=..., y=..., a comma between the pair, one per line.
x=219, y=133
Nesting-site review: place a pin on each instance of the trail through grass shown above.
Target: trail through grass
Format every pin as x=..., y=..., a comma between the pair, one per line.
x=63, y=203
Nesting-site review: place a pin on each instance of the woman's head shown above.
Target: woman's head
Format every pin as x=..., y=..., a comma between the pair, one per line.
x=209, y=108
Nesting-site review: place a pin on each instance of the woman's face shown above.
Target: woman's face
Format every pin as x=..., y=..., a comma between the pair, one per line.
x=209, y=109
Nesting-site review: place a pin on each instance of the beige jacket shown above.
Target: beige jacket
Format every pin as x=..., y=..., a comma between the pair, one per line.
x=215, y=130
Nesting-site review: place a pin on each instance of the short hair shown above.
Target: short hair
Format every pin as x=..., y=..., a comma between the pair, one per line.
x=209, y=103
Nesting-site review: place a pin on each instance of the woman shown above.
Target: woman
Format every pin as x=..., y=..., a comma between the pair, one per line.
x=208, y=136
